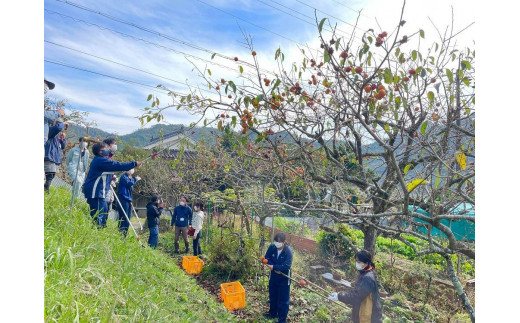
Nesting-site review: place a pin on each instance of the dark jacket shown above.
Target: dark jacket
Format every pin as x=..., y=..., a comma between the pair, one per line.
x=365, y=301
x=54, y=145
x=126, y=187
x=282, y=263
x=153, y=212
x=100, y=175
x=182, y=216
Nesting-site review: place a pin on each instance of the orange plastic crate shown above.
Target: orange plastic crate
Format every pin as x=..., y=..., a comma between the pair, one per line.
x=233, y=295
x=192, y=264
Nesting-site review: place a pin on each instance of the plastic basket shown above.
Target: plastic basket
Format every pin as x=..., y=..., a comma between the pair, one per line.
x=192, y=264
x=233, y=295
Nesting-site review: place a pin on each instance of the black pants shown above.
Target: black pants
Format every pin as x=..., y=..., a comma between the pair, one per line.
x=48, y=180
x=196, y=245
x=279, y=291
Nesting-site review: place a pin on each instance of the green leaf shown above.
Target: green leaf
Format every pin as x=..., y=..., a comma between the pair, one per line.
x=233, y=86
x=465, y=65
x=414, y=55
x=431, y=96
x=213, y=56
x=209, y=72
x=388, y=76
x=326, y=56
x=149, y=97
x=320, y=26
x=421, y=33
x=277, y=83
x=234, y=120
x=437, y=178
x=337, y=44
x=188, y=98
x=466, y=81
x=241, y=69
x=219, y=125
x=370, y=39
x=449, y=74
x=369, y=58
x=397, y=51
x=423, y=127
x=386, y=127
x=406, y=168
x=423, y=72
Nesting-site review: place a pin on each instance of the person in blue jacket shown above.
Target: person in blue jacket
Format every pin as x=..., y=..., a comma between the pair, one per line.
x=54, y=151
x=181, y=218
x=98, y=180
x=279, y=260
x=124, y=193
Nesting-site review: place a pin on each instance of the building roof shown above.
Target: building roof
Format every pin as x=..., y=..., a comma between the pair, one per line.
x=171, y=140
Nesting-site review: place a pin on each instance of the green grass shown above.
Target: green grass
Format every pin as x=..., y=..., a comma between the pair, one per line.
x=96, y=275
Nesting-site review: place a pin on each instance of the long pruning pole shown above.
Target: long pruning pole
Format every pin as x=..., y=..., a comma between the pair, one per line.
x=314, y=291
x=75, y=181
x=126, y=216
x=135, y=212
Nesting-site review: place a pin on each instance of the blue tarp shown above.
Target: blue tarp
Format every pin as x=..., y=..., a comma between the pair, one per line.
x=462, y=229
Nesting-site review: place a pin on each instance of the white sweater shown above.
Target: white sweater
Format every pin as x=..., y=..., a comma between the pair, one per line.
x=198, y=218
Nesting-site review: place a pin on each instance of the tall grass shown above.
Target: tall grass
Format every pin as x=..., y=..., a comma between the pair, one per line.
x=95, y=275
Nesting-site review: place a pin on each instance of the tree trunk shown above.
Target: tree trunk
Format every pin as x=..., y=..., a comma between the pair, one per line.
x=459, y=289
x=369, y=243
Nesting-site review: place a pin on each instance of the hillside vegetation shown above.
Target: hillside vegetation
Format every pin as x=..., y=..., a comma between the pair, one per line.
x=96, y=275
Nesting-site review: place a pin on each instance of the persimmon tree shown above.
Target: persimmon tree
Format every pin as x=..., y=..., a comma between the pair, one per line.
x=390, y=117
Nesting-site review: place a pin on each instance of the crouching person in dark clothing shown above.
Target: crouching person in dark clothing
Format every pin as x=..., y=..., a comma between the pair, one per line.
x=365, y=301
x=279, y=260
x=153, y=212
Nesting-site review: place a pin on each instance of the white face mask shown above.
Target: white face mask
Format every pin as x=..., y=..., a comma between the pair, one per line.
x=360, y=266
x=113, y=148
x=83, y=144
x=278, y=245
x=182, y=203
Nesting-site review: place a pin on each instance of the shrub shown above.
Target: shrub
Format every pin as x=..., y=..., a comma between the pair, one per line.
x=291, y=226
x=232, y=258
x=331, y=245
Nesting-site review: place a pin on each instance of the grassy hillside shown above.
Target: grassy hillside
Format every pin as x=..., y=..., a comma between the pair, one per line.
x=96, y=275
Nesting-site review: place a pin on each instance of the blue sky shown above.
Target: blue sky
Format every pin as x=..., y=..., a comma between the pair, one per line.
x=114, y=105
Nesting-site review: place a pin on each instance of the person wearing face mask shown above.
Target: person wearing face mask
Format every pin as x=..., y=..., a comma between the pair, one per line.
x=112, y=144
x=181, y=218
x=153, y=212
x=54, y=151
x=124, y=192
x=77, y=164
x=279, y=260
x=365, y=301
x=198, y=218
x=98, y=180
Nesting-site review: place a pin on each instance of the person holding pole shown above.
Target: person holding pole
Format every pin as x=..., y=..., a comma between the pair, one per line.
x=365, y=301
x=54, y=151
x=181, y=218
x=124, y=192
x=198, y=219
x=153, y=212
x=77, y=163
x=279, y=260
x=98, y=180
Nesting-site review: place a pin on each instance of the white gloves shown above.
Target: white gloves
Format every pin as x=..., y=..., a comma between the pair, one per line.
x=138, y=178
x=333, y=296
